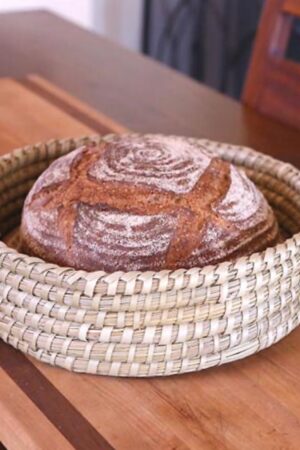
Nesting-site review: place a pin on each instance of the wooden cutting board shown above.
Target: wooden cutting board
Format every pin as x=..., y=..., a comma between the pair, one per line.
x=251, y=404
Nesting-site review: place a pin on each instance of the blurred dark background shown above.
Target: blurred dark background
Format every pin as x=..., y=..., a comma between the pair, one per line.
x=210, y=40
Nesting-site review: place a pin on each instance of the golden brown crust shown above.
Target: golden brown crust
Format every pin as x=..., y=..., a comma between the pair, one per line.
x=144, y=203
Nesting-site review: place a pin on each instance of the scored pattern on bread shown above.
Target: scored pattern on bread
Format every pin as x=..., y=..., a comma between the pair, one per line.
x=110, y=233
x=170, y=166
x=144, y=203
x=246, y=212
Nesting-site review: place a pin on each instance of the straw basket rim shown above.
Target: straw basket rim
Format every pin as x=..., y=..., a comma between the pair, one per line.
x=105, y=278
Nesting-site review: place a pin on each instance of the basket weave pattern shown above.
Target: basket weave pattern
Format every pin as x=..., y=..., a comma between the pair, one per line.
x=149, y=323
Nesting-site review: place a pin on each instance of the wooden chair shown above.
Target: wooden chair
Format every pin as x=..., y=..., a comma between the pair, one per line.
x=273, y=82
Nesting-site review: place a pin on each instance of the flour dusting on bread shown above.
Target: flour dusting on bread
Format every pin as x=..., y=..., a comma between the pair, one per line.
x=57, y=172
x=242, y=201
x=114, y=234
x=144, y=203
x=165, y=163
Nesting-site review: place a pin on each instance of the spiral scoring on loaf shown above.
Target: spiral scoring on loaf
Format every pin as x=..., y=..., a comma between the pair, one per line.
x=166, y=163
x=144, y=203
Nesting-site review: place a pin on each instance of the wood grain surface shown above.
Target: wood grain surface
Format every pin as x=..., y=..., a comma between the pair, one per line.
x=134, y=90
x=251, y=404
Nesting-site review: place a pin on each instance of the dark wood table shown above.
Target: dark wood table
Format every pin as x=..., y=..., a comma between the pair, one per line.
x=134, y=90
x=250, y=404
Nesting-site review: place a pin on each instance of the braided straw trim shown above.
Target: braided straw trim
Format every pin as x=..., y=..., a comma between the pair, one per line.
x=123, y=352
x=216, y=293
x=169, y=367
x=149, y=323
x=141, y=319
x=176, y=332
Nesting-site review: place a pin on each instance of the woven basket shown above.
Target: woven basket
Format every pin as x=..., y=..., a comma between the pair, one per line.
x=149, y=323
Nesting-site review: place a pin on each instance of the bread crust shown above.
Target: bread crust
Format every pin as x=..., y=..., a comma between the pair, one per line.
x=144, y=203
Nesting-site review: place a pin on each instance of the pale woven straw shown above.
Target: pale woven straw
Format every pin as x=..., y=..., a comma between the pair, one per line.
x=149, y=323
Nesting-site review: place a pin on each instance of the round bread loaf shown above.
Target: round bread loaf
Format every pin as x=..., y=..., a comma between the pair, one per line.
x=148, y=202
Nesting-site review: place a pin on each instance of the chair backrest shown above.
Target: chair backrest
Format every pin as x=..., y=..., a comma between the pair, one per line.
x=273, y=82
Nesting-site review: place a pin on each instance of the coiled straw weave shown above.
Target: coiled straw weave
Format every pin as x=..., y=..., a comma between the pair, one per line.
x=149, y=323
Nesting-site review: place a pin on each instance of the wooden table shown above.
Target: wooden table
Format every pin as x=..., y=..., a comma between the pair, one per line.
x=134, y=90
x=251, y=404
